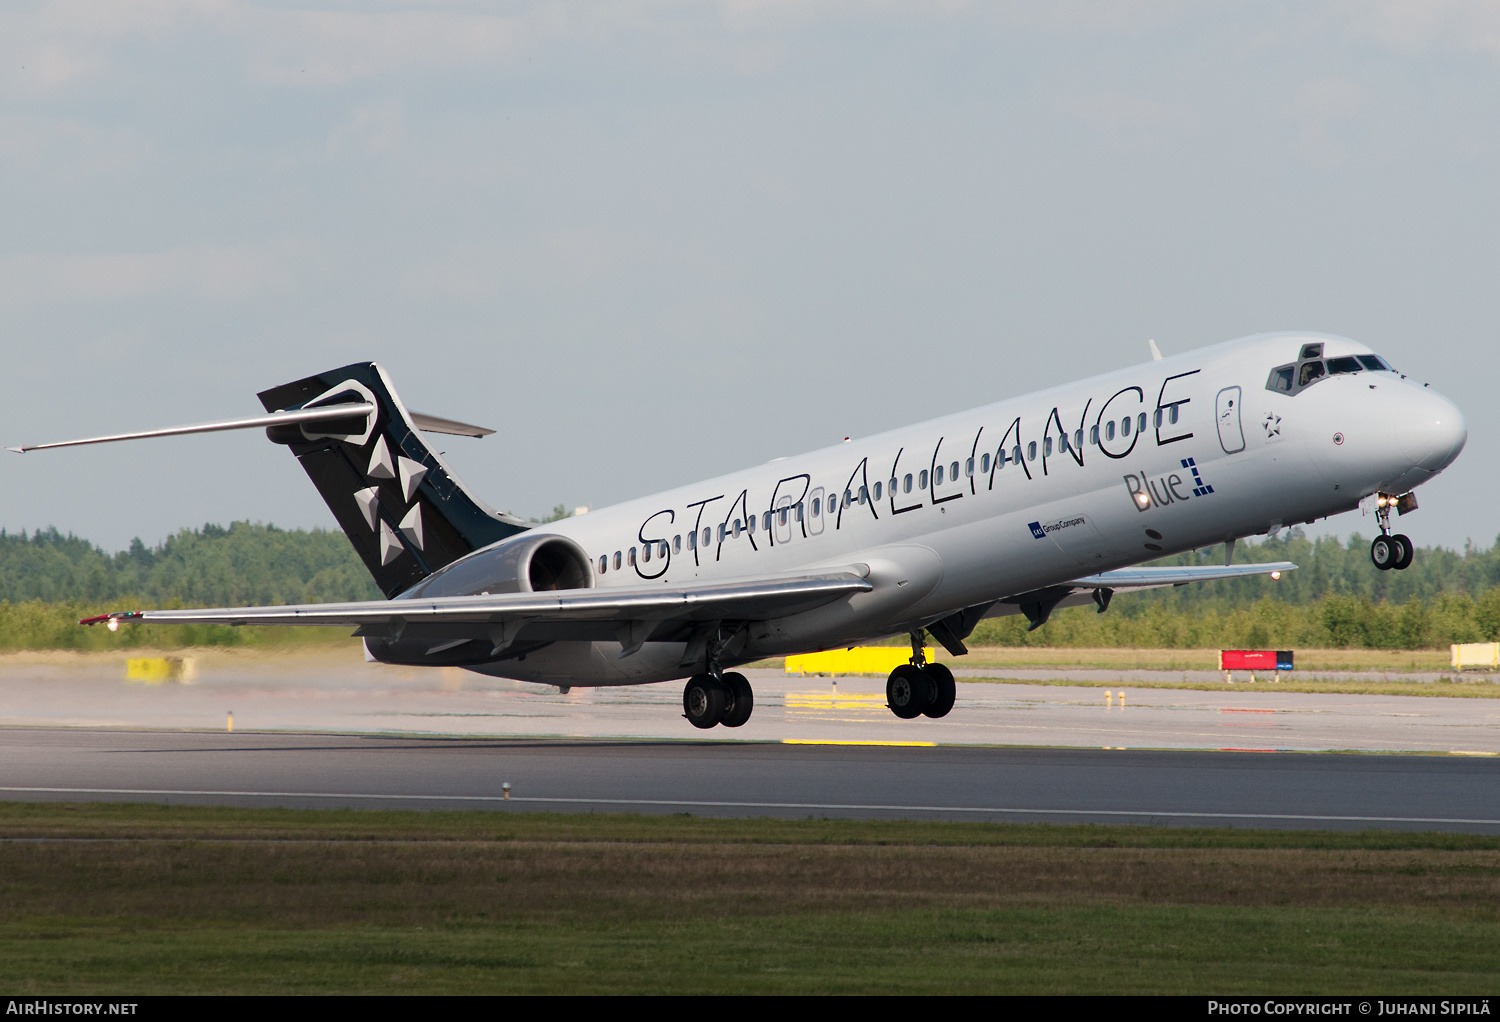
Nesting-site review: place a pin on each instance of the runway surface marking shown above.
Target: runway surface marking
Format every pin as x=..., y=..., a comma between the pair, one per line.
x=676, y=803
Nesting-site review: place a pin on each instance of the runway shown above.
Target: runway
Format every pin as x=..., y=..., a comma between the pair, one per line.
x=1163, y=788
x=329, y=730
x=338, y=692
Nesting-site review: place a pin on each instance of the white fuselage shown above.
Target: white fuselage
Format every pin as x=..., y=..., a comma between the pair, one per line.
x=1221, y=456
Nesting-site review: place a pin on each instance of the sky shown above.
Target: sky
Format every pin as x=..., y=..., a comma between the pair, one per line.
x=649, y=241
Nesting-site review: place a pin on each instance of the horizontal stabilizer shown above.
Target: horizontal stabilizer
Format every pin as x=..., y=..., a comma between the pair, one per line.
x=301, y=416
x=437, y=424
x=1151, y=578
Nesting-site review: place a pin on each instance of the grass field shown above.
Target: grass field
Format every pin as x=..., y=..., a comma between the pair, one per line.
x=149, y=899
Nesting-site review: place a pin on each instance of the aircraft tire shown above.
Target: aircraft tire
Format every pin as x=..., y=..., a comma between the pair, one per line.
x=1407, y=552
x=741, y=700
x=908, y=691
x=1383, y=553
x=703, y=701
x=945, y=690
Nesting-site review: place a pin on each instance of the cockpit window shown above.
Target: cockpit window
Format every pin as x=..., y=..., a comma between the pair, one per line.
x=1293, y=377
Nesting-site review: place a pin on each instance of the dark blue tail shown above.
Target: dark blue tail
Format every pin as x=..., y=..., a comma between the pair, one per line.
x=405, y=512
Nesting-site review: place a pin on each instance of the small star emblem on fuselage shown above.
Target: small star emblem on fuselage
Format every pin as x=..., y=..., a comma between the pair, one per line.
x=1272, y=424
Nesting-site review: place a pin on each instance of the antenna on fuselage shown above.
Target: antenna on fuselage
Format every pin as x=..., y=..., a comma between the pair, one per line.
x=1155, y=351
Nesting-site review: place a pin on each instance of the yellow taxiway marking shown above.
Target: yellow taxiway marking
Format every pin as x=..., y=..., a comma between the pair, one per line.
x=834, y=741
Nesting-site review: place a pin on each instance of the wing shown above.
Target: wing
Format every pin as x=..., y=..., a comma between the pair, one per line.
x=630, y=615
x=1151, y=578
x=1098, y=589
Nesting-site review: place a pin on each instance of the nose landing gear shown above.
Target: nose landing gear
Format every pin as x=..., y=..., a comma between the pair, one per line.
x=1392, y=550
x=920, y=688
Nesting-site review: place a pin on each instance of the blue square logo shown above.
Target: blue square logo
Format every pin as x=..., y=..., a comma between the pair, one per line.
x=1036, y=530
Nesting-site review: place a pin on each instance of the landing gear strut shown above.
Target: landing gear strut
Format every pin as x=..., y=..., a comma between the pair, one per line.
x=918, y=688
x=1388, y=550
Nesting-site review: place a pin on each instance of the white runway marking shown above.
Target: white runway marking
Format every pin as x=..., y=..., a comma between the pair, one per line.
x=685, y=804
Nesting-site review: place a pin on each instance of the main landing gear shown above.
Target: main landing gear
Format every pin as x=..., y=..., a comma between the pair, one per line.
x=1392, y=551
x=920, y=688
x=710, y=700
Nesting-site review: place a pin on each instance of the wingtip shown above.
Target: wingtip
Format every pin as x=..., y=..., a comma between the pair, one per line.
x=18, y=450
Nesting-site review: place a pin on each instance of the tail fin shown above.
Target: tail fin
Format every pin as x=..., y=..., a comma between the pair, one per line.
x=402, y=508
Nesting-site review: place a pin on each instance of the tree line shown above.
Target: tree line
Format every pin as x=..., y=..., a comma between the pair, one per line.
x=1336, y=598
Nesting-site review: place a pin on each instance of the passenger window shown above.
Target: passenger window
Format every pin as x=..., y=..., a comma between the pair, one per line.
x=1078, y=440
x=677, y=544
x=1094, y=435
x=1172, y=415
x=1015, y=454
x=984, y=463
x=1157, y=418
x=833, y=503
x=1125, y=426
x=617, y=560
x=816, y=509
x=693, y=540
x=782, y=515
x=969, y=467
x=738, y=528
x=906, y=483
x=1031, y=451
x=632, y=557
x=864, y=495
x=922, y=479
x=663, y=551
x=1347, y=364
x=1140, y=422
x=722, y=532
x=767, y=521
x=1310, y=371
x=1109, y=430
x=603, y=564
x=1062, y=443
x=953, y=472
x=708, y=537
x=646, y=553
x=1047, y=448
x=877, y=491
x=937, y=476
x=799, y=511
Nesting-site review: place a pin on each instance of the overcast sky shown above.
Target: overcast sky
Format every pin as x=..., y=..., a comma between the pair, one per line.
x=653, y=241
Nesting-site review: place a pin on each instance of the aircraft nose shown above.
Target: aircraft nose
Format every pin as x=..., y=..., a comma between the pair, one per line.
x=1432, y=431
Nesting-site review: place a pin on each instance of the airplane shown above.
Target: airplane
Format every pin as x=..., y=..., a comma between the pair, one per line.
x=1019, y=507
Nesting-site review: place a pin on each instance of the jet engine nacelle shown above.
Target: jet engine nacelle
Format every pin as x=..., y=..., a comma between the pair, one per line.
x=529, y=563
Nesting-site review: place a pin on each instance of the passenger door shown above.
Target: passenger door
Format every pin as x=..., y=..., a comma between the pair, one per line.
x=1227, y=415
